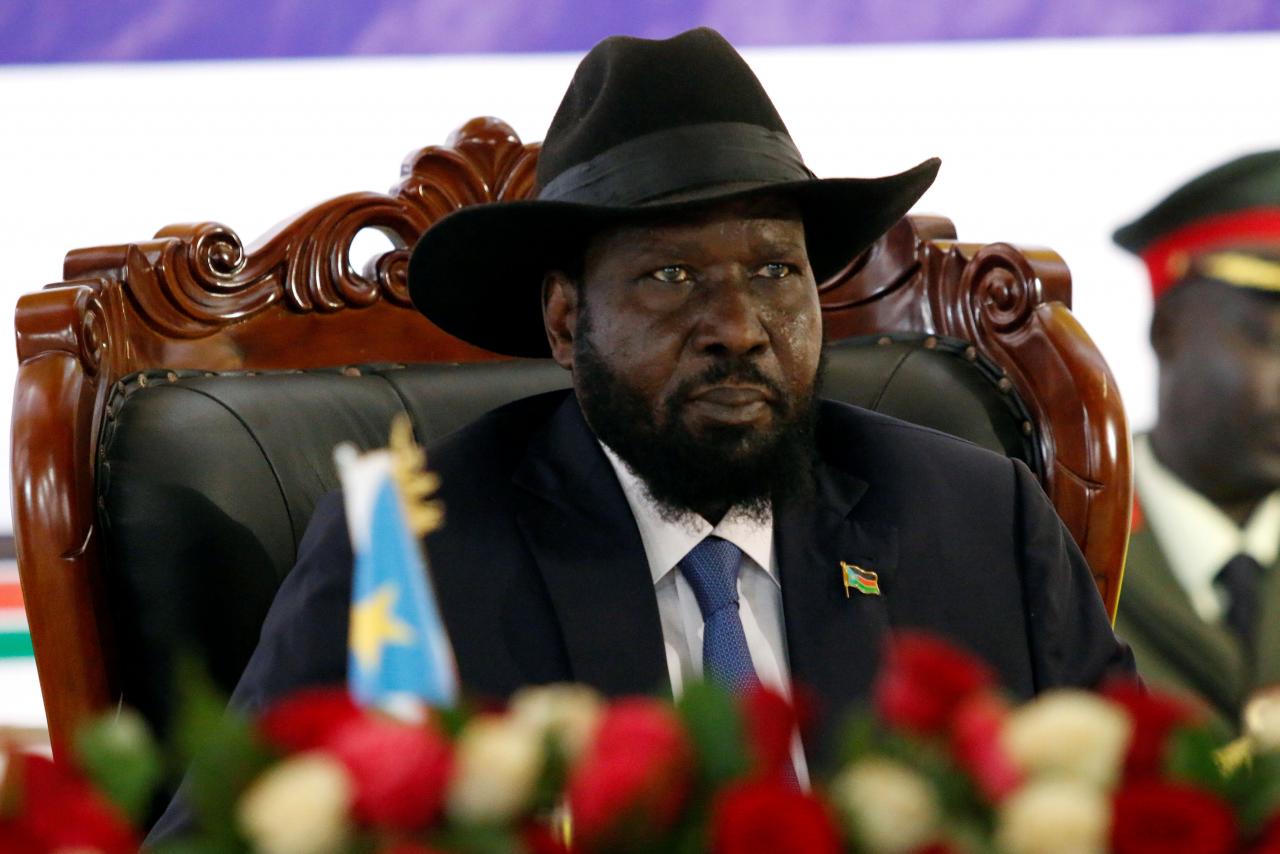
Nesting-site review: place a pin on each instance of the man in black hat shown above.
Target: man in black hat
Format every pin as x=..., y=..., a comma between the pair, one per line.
x=689, y=509
x=1201, y=600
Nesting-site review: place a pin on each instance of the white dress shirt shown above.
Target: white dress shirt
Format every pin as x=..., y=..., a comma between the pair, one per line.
x=666, y=542
x=1196, y=537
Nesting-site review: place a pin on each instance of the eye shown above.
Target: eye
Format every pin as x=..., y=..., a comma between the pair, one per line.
x=776, y=270
x=672, y=274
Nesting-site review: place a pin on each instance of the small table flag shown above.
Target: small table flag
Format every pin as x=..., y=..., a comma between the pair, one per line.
x=399, y=648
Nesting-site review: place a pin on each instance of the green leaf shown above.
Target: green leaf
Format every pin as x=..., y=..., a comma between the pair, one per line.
x=453, y=721
x=970, y=837
x=688, y=837
x=1256, y=790
x=553, y=779
x=1190, y=757
x=122, y=760
x=715, y=725
x=478, y=839
x=860, y=736
x=198, y=845
x=222, y=750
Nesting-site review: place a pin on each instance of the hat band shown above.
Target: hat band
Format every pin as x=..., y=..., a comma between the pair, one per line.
x=1169, y=259
x=677, y=160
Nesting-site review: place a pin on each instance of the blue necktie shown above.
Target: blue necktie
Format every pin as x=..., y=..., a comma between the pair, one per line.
x=711, y=569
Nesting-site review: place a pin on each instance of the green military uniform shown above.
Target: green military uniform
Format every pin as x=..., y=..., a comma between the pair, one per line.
x=1177, y=650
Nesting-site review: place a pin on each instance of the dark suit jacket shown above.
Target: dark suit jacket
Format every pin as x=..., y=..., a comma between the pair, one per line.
x=542, y=576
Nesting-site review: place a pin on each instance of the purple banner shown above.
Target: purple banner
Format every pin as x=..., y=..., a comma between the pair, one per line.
x=35, y=31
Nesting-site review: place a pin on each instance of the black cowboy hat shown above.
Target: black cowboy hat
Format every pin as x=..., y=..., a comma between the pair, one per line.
x=645, y=127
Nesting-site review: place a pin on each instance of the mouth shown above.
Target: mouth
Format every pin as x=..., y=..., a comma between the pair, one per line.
x=732, y=403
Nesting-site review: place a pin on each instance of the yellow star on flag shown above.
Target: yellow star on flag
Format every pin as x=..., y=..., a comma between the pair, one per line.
x=374, y=626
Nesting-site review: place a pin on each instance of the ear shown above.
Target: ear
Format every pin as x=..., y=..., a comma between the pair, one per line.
x=560, y=302
x=1166, y=329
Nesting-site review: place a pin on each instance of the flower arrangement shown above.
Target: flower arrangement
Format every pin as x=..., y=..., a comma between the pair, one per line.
x=939, y=763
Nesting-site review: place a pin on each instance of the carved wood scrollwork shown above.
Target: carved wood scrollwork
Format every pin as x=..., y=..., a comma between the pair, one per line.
x=1013, y=305
x=193, y=279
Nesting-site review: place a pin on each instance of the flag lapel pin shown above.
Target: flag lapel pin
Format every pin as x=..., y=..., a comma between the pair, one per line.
x=858, y=578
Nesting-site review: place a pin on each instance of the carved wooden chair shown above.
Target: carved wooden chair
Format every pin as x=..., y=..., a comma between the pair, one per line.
x=178, y=399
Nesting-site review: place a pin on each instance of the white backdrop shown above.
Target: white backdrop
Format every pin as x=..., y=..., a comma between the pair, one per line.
x=1043, y=142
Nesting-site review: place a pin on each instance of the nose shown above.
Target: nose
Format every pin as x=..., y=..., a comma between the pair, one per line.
x=731, y=322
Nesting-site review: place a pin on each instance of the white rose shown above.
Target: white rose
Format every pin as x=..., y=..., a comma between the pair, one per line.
x=1262, y=719
x=889, y=807
x=1071, y=733
x=497, y=764
x=568, y=713
x=300, y=806
x=1054, y=816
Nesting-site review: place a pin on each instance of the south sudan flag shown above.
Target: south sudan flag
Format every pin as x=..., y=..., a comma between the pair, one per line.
x=857, y=578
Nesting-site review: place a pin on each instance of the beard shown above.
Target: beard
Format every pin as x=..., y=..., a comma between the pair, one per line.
x=724, y=466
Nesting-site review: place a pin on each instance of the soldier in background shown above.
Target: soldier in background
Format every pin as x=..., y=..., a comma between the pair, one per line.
x=1201, y=597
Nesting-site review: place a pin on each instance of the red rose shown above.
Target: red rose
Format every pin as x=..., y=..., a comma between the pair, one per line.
x=59, y=811
x=542, y=838
x=770, y=817
x=633, y=778
x=924, y=680
x=1155, y=717
x=400, y=771
x=1269, y=839
x=770, y=723
x=14, y=839
x=976, y=746
x=1157, y=817
x=308, y=719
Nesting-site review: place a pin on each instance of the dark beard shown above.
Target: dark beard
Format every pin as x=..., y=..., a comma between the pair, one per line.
x=723, y=467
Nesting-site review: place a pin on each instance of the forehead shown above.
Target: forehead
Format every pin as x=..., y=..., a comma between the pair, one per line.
x=1258, y=312
x=1227, y=307
x=768, y=217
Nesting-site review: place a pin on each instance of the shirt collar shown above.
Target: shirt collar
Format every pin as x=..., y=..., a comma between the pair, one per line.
x=1196, y=537
x=666, y=542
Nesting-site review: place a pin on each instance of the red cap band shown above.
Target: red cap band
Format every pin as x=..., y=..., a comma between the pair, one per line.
x=1167, y=258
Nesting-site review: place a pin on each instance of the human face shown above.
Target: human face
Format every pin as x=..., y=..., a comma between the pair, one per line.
x=711, y=324
x=1219, y=423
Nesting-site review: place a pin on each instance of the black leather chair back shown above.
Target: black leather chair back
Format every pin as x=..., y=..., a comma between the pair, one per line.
x=206, y=481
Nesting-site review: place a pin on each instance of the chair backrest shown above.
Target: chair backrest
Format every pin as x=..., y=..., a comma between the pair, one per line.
x=178, y=399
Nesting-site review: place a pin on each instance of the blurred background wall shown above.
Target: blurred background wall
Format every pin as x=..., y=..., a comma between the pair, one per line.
x=1056, y=120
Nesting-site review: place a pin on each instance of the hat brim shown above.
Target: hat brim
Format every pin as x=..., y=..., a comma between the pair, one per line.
x=477, y=273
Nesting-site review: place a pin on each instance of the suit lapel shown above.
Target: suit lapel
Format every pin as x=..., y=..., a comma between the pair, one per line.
x=1267, y=645
x=580, y=530
x=1206, y=656
x=834, y=641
